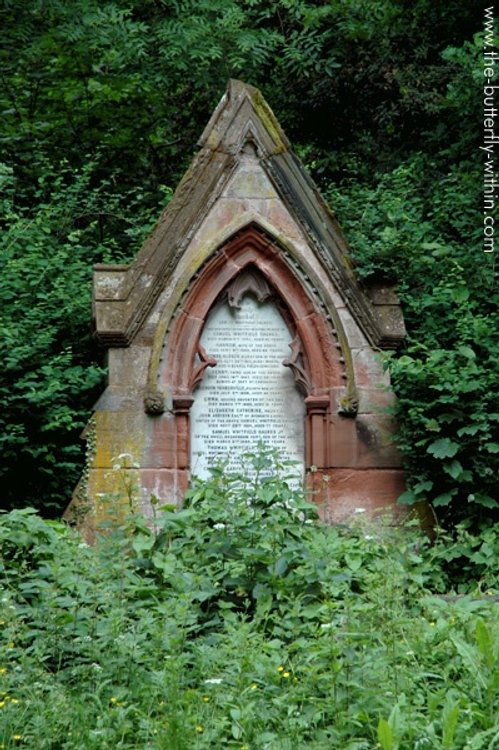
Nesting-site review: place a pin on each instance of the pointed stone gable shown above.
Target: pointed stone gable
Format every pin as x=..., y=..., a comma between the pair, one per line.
x=245, y=222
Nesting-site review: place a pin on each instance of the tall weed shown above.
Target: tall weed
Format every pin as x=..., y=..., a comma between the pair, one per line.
x=242, y=622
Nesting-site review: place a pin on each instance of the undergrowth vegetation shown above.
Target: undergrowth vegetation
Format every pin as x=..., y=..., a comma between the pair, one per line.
x=240, y=621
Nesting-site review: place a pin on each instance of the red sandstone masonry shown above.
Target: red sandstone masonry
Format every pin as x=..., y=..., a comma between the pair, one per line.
x=245, y=202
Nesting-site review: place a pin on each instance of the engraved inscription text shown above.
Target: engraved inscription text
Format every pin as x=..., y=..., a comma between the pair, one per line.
x=249, y=396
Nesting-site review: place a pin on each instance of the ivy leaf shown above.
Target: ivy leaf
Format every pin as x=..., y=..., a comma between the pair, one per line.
x=444, y=499
x=492, y=447
x=407, y=498
x=443, y=448
x=454, y=468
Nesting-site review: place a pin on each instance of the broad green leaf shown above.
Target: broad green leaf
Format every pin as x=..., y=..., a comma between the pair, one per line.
x=453, y=468
x=450, y=715
x=471, y=429
x=484, y=640
x=423, y=486
x=471, y=659
x=467, y=352
x=385, y=735
x=395, y=722
x=353, y=561
x=443, y=499
x=432, y=245
x=407, y=498
x=461, y=294
x=280, y=566
x=485, y=500
x=236, y=731
x=443, y=448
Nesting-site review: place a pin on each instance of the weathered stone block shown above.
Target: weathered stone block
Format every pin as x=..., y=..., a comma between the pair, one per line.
x=346, y=494
x=127, y=368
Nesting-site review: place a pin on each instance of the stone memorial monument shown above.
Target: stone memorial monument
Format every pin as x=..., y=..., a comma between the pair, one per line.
x=241, y=320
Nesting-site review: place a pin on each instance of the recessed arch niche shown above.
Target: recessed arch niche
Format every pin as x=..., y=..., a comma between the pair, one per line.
x=248, y=394
x=252, y=266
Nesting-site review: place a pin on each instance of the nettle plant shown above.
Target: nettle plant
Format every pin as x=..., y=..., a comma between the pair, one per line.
x=240, y=621
x=240, y=542
x=250, y=543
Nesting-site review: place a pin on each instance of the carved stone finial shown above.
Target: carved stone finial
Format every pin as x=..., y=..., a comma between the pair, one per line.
x=296, y=364
x=204, y=362
x=248, y=282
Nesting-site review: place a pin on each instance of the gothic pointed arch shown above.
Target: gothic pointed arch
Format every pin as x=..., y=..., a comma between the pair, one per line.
x=252, y=262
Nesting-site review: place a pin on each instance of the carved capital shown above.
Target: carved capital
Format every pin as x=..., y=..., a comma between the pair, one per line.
x=182, y=403
x=317, y=404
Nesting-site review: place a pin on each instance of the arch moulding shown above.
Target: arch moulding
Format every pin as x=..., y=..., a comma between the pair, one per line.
x=315, y=356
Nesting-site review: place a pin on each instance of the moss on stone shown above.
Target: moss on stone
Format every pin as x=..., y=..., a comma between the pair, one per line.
x=269, y=120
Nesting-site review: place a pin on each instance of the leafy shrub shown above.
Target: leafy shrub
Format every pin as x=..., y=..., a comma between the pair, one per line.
x=51, y=372
x=238, y=623
x=445, y=377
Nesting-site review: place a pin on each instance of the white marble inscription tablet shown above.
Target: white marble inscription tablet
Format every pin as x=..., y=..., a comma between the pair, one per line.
x=249, y=396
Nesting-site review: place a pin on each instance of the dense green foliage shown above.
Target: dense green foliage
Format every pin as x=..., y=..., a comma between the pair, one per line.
x=241, y=622
x=446, y=376
x=102, y=103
